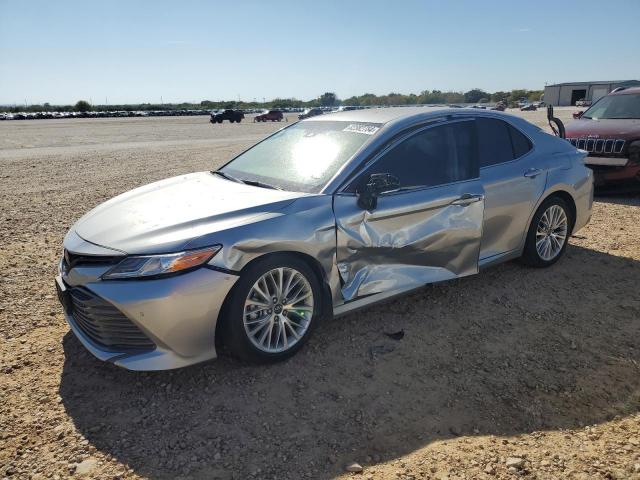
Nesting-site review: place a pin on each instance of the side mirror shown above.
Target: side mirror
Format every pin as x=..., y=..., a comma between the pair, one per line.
x=578, y=115
x=377, y=184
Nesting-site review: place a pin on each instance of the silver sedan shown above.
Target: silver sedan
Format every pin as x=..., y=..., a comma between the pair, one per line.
x=328, y=215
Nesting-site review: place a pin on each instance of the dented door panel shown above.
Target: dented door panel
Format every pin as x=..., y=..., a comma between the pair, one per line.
x=410, y=239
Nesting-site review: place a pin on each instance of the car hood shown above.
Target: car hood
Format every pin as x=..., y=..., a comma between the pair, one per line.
x=626, y=129
x=176, y=213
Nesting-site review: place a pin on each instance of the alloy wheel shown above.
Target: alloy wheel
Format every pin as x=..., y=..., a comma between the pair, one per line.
x=278, y=310
x=551, y=232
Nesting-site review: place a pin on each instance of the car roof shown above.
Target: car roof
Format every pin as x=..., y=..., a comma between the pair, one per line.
x=379, y=115
x=627, y=91
x=394, y=119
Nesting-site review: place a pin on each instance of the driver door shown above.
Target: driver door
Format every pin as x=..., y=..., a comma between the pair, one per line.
x=427, y=230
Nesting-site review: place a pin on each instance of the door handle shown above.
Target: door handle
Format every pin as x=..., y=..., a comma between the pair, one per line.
x=532, y=173
x=467, y=199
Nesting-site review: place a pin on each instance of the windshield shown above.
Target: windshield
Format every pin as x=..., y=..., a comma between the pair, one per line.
x=615, y=106
x=303, y=157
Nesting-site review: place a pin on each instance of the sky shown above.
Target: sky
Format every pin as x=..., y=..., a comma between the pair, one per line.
x=126, y=51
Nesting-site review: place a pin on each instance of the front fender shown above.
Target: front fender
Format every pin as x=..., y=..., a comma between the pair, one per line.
x=307, y=226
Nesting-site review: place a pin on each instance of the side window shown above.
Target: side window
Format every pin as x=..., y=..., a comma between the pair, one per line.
x=521, y=144
x=436, y=156
x=494, y=142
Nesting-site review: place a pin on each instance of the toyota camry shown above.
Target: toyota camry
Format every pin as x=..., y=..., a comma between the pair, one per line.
x=326, y=216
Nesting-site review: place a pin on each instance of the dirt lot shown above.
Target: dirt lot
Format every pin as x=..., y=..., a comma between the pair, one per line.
x=513, y=372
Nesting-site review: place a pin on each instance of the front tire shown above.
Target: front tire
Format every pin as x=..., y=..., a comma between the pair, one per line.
x=548, y=233
x=274, y=307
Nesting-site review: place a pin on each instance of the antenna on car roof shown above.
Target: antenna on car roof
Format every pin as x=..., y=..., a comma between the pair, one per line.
x=555, y=123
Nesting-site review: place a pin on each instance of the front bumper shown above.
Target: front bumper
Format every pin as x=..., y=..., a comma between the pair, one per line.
x=614, y=171
x=178, y=313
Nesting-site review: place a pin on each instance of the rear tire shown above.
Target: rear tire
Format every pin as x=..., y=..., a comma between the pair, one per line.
x=262, y=330
x=548, y=234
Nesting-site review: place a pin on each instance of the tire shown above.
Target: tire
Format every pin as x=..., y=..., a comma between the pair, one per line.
x=547, y=253
x=242, y=313
x=219, y=120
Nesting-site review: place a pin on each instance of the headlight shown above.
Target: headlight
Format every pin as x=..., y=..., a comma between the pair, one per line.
x=152, y=265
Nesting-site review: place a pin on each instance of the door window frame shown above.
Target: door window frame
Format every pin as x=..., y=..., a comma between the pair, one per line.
x=508, y=162
x=401, y=137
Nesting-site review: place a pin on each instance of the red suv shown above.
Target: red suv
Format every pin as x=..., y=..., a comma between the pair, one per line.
x=610, y=131
x=271, y=115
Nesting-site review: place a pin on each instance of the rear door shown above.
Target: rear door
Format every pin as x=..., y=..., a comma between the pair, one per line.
x=513, y=181
x=426, y=231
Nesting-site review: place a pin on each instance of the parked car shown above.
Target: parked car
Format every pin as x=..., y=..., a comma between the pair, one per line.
x=610, y=132
x=500, y=107
x=331, y=214
x=530, y=107
x=310, y=112
x=231, y=115
x=271, y=115
x=346, y=108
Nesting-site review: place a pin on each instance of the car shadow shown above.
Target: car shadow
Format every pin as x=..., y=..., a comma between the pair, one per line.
x=510, y=351
x=619, y=196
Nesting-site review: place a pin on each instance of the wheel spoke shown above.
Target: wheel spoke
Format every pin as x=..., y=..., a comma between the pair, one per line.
x=260, y=326
x=299, y=298
x=287, y=287
x=256, y=303
x=293, y=330
x=287, y=293
x=283, y=329
x=260, y=292
x=280, y=281
x=265, y=332
x=261, y=319
x=302, y=308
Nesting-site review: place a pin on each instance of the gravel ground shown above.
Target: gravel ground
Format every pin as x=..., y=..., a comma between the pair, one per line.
x=513, y=372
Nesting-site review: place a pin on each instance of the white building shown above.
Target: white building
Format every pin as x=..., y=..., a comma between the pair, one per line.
x=564, y=94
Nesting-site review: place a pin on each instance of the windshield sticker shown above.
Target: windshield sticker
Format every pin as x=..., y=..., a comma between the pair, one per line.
x=361, y=128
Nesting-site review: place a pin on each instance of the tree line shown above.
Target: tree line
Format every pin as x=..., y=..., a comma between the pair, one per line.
x=327, y=99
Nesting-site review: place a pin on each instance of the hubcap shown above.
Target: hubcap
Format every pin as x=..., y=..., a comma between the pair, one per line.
x=278, y=310
x=551, y=233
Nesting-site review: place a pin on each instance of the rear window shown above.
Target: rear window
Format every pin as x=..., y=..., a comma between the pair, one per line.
x=494, y=142
x=521, y=144
x=499, y=142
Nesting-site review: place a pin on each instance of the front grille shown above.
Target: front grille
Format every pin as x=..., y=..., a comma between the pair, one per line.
x=610, y=146
x=105, y=325
x=72, y=260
